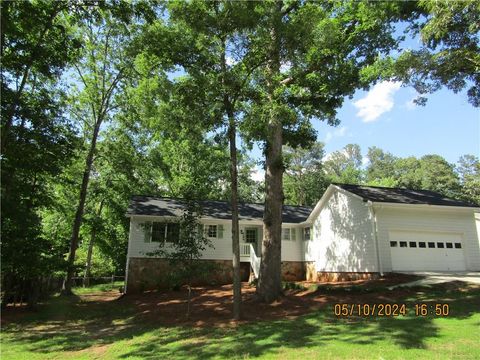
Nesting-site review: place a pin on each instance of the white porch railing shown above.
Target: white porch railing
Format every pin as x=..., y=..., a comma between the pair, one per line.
x=245, y=250
x=254, y=261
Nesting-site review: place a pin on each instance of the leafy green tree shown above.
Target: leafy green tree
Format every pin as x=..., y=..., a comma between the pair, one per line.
x=381, y=167
x=439, y=175
x=38, y=142
x=469, y=171
x=344, y=166
x=431, y=172
x=104, y=64
x=313, y=57
x=209, y=42
x=450, y=51
x=304, y=179
x=187, y=248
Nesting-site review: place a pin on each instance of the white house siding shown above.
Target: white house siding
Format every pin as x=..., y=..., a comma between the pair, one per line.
x=137, y=246
x=293, y=250
x=434, y=220
x=342, y=238
x=222, y=248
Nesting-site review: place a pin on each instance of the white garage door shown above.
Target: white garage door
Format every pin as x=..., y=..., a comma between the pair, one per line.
x=426, y=251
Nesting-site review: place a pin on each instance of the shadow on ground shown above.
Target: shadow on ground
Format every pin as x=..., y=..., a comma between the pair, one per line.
x=155, y=323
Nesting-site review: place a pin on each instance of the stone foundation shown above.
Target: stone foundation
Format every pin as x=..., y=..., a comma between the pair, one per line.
x=310, y=271
x=311, y=274
x=151, y=273
x=345, y=276
x=293, y=270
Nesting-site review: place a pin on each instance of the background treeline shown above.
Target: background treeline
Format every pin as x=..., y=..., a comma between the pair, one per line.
x=309, y=172
x=95, y=108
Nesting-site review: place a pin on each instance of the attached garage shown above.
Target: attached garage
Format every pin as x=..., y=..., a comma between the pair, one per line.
x=427, y=251
x=367, y=229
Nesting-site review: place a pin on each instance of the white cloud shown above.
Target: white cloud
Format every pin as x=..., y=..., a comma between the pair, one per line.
x=339, y=132
x=258, y=174
x=379, y=100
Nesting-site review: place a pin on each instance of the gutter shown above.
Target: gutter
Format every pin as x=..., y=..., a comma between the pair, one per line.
x=373, y=216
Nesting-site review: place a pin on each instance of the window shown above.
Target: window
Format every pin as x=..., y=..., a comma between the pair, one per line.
x=440, y=245
x=161, y=232
x=212, y=231
x=458, y=245
x=403, y=244
x=158, y=232
x=422, y=244
x=251, y=236
x=173, y=232
x=288, y=234
x=449, y=245
x=412, y=244
x=431, y=245
x=393, y=244
x=306, y=233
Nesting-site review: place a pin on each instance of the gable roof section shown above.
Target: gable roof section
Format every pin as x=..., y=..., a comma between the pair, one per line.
x=402, y=196
x=161, y=206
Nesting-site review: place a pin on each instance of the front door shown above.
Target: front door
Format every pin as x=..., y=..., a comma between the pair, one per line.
x=251, y=237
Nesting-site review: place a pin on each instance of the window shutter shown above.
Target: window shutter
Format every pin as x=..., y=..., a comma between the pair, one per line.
x=220, y=231
x=147, y=231
x=293, y=234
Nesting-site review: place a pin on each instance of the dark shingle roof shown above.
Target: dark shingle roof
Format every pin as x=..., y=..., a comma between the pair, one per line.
x=402, y=196
x=159, y=206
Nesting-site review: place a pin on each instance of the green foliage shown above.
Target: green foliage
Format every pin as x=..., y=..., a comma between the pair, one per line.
x=450, y=51
x=344, y=166
x=184, y=253
x=469, y=173
x=305, y=180
x=38, y=142
x=102, y=264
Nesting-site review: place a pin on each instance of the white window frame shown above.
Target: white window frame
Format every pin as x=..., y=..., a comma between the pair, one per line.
x=256, y=235
x=309, y=233
x=291, y=231
x=208, y=227
x=164, y=239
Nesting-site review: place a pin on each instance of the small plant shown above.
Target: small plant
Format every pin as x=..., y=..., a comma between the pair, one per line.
x=185, y=252
x=293, y=286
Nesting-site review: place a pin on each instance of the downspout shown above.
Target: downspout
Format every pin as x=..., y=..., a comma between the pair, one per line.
x=373, y=216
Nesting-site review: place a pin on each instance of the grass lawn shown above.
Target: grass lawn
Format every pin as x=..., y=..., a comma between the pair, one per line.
x=95, y=325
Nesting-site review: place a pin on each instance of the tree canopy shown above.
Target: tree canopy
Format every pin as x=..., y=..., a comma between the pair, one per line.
x=105, y=99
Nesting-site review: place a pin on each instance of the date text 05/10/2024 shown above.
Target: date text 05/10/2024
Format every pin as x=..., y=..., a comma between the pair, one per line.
x=394, y=309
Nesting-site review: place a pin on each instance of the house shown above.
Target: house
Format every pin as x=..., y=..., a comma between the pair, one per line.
x=353, y=231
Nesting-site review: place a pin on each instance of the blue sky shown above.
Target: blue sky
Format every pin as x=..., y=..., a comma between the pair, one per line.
x=386, y=117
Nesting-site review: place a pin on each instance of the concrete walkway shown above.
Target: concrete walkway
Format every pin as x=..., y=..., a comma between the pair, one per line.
x=431, y=278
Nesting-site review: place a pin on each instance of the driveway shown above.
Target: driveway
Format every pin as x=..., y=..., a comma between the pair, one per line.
x=431, y=278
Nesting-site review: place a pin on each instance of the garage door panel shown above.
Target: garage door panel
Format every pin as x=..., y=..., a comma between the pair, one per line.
x=426, y=251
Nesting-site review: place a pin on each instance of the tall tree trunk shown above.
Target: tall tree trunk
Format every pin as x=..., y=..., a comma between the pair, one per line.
x=88, y=264
x=67, y=286
x=232, y=137
x=237, y=284
x=270, y=281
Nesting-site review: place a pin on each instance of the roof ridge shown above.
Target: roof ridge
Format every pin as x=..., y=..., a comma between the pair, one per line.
x=222, y=201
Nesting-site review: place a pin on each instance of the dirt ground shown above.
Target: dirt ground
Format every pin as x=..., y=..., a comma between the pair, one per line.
x=212, y=305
